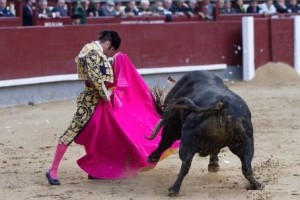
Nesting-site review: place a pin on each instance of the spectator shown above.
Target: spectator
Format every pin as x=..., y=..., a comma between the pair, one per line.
x=207, y=10
x=43, y=11
x=253, y=7
x=281, y=6
x=27, y=13
x=4, y=12
x=119, y=8
x=239, y=6
x=221, y=4
x=157, y=8
x=59, y=10
x=86, y=4
x=78, y=9
x=180, y=8
x=131, y=9
x=76, y=17
x=144, y=8
x=193, y=8
x=293, y=7
x=227, y=8
x=94, y=9
x=268, y=7
x=108, y=9
x=168, y=7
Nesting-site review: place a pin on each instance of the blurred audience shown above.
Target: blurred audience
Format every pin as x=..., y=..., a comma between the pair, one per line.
x=193, y=8
x=180, y=8
x=144, y=8
x=78, y=8
x=157, y=8
x=168, y=7
x=227, y=9
x=293, y=7
x=268, y=7
x=108, y=9
x=86, y=4
x=43, y=11
x=60, y=9
x=5, y=11
x=28, y=12
x=253, y=7
x=220, y=4
x=207, y=10
x=239, y=6
x=120, y=12
x=94, y=9
x=76, y=18
x=281, y=6
x=131, y=9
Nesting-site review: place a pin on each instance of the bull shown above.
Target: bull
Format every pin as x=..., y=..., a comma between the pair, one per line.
x=206, y=116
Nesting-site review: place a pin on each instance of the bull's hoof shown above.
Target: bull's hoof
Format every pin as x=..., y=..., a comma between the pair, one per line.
x=173, y=192
x=213, y=168
x=153, y=158
x=256, y=186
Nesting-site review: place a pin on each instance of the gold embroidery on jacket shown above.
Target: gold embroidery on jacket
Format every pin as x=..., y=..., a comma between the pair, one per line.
x=94, y=67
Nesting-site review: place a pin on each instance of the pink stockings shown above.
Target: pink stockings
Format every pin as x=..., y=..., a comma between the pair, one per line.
x=60, y=151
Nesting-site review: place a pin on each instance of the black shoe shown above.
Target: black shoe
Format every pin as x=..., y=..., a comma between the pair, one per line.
x=51, y=180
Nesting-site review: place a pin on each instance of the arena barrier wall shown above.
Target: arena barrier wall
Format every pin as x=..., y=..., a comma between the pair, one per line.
x=39, y=51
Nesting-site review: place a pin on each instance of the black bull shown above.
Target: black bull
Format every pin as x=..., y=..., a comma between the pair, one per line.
x=206, y=116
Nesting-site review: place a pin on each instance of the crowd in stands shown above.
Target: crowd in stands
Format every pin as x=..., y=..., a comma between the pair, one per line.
x=268, y=7
x=81, y=9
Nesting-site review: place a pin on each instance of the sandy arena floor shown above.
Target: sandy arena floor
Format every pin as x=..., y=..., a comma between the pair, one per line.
x=28, y=136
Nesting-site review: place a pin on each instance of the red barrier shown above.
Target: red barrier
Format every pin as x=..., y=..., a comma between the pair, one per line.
x=282, y=34
x=62, y=21
x=41, y=51
x=10, y=21
x=262, y=45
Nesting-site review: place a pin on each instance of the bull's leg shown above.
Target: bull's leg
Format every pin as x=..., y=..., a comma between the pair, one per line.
x=245, y=152
x=166, y=141
x=247, y=172
x=186, y=156
x=188, y=148
x=213, y=165
x=163, y=145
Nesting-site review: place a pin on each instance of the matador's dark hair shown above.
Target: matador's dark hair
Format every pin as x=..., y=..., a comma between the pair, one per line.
x=111, y=36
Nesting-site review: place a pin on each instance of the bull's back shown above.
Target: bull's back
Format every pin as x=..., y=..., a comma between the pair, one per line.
x=204, y=88
x=193, y=82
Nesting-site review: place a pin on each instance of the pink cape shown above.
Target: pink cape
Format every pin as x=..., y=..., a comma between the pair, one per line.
x=114, y=137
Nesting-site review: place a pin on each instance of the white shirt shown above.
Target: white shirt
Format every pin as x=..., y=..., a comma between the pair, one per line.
x=266, y=9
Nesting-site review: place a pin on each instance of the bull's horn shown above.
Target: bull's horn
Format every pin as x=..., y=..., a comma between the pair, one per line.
x=156, y=130
x=171, y=79
x=219, y=105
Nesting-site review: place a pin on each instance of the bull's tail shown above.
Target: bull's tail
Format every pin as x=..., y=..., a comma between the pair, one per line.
x=182, y=103
x=187, y=103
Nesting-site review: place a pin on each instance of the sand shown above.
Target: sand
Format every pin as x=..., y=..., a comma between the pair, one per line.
x=28, y=136
x=272, y=74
